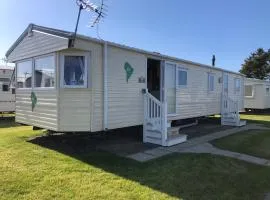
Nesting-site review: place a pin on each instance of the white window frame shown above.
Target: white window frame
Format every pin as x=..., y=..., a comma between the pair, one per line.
x=62, y=62
x=267, y=93
x=16, y=71
x=237, y=90
x=34, y=67
x=252, y=91
x=227, y=85
x=208, y=85
x=180, y=68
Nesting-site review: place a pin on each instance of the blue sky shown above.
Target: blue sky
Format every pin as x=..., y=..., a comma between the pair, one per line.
x=192, y=30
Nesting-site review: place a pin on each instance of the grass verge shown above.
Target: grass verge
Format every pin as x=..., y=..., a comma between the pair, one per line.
x=58, y=171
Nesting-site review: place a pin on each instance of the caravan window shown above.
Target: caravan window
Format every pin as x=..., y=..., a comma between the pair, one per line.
x=237, y=85
x=45, y=72
x=211, y=82
x=5, y=88
x=226, y=83
x=267, y=91
x=248, y=91
x=74, y=71
x=24, y=74
x=182, y=77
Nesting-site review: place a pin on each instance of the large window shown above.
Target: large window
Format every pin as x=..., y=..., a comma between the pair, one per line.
x=45, y=72
x=74, y=71
x=248, y=90
x=237, y=85
x=24, y=74
x=182, y=77
x=211, y=82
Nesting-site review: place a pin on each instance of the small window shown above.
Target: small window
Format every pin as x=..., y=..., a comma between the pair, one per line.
x=74, y=71
x=24, y=74
x=13, y=91
x=182, y=77
x=45, y=72
x=211, y=82
x=248, y=91
x=267, y=91
x=5, y=88
x=237, y=85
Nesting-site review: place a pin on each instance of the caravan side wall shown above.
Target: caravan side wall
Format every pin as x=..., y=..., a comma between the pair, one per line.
x=125, y=98
x=81, y=109
x=45, y=114
x=259, y=98
x=7, y=101
x=195, y=100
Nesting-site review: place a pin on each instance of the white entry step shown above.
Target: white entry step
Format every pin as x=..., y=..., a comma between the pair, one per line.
x=175, y=139
x=238, y=123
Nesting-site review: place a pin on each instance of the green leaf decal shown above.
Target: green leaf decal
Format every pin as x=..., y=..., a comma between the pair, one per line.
x=129, y=70
x=34, y=100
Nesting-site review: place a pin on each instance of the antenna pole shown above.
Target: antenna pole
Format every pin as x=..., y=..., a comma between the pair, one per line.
x=77, y=23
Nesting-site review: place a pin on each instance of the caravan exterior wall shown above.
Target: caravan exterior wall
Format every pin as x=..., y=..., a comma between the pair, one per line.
x=7, y=97
x=75, y=109
x=257, y=94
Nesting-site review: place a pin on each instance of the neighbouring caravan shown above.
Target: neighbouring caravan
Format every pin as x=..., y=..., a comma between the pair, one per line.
x=85, y=84
x=257, y=94
x=7, y=94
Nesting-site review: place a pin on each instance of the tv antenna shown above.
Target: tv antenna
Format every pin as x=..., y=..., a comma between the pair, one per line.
x=98, y=8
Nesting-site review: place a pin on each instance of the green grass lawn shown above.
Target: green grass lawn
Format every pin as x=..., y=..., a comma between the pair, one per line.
x=31, y=171
x=257, y=118
x=252, y=142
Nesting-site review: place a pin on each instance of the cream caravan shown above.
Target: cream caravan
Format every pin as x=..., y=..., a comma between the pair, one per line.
x=94, y=85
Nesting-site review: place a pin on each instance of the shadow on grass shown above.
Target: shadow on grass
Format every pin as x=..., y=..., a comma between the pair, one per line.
x=7, y=122
x=188, y=177
x=155, y=174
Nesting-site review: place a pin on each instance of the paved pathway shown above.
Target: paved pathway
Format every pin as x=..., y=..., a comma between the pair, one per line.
x=201, y=145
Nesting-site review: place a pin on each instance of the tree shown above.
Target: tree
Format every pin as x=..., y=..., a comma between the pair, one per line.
x=257, y=65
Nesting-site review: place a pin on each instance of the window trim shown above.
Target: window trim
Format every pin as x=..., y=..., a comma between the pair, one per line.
x=208, y=81
x=62, y=56
x=4, y=84
x=252, y=90
x=180, y=68
x=34, y=67
x=267, y=93
x=16, y=71
x=236, y=90
x=223, y=83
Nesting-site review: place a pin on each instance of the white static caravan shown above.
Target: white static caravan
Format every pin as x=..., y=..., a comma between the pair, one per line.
x=97, y=85
x=7, y=94
x=257, y=94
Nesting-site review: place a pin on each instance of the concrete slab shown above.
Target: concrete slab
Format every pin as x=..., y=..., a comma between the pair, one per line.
x=141, y=157
x=157, y=152
x=201, y=145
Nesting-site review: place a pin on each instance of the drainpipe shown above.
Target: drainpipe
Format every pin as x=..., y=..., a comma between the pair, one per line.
x=105, y=87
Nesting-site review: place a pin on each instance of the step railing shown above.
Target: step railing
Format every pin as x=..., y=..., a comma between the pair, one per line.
x=155, y=116
x=229, y=108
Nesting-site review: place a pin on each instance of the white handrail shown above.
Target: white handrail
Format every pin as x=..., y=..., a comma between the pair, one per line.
x=229, y=106
x=155, y=112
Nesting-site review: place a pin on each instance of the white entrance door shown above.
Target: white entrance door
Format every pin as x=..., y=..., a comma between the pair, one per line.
x=170, y=87
x=225, y=84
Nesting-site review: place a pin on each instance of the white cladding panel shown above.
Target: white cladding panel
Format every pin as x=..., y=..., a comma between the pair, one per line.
x=125, y=98
x=38, y=44
x=44, y=114
x=260, y=99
